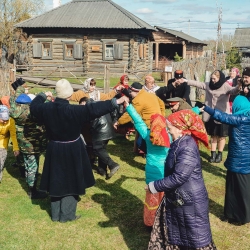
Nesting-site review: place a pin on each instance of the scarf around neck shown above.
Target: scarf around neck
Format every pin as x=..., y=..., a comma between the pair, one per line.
x=217, y=85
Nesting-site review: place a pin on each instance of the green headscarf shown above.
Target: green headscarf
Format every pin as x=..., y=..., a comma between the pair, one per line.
x=241, y=106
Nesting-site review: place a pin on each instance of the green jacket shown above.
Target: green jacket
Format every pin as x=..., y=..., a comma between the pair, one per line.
x=31, y=136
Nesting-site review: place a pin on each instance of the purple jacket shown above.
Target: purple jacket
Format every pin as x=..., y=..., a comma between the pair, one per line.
x=188, y=224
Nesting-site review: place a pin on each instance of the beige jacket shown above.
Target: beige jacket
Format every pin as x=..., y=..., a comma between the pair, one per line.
x=216, y=99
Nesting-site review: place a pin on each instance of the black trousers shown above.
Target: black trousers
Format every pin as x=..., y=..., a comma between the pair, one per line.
x=64, y=208
x=104, y=160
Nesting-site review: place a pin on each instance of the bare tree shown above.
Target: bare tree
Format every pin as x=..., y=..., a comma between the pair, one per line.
x=15, y=11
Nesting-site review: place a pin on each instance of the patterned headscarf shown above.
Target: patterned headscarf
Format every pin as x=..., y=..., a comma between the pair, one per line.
x=191, y=124
x=4, y=113
x=158, y=133
x=95, y=95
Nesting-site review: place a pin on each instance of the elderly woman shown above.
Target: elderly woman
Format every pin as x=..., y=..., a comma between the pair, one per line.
x=89, y=90
x=7, y=131
x=217, y=96
x=237, y=197
x=184, y=212
x=157, y=141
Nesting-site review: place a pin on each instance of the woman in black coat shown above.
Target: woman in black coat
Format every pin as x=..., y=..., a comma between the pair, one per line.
x=67, y=171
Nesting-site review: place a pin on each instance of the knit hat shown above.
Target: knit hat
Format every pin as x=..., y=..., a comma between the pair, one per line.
x=246, y=71
x=178, y=74
x=23, y=99
x=136, y=86
x=32, y=96
x=4, y=113
x=64, y=89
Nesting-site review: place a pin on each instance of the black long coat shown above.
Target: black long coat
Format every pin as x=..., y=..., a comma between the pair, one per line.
x=67, y=170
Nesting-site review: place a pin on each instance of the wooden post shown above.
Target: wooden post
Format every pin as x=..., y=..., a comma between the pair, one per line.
x=156, y=55
x=184, y=50
x=14, y=70
x=167, y=74
x=106, y=78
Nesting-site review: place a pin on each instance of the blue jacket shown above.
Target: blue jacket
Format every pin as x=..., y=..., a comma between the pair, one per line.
x=188, y=224
x=238, y=157
x=156, y=155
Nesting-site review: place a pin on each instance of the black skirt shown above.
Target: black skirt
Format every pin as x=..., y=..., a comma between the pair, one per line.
x=237, y=198
x=215, y=129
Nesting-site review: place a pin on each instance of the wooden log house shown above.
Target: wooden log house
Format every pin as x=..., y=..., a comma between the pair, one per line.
x=86, y=35
x=167, y=42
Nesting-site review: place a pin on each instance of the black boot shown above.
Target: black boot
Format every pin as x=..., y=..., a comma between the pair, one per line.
x=35, y=194
x=213, y=156
x=218, y=157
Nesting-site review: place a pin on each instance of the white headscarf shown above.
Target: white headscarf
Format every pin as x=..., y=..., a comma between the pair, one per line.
x=4, y=113
x=95, y=95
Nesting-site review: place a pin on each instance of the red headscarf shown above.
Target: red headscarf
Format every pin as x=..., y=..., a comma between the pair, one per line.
x=191, y=124
x=121, y=82
x=158, y=133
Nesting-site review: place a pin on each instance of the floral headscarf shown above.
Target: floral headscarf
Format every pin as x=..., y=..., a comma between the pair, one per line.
x=191, y=124
x=158, y=133
x=95, y=95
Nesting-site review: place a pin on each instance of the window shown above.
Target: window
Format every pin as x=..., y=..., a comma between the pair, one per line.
x=46, y=50
x=72, y=50
x=109, y=51
x=112, y=50
x=69, y=50
x=43, y=49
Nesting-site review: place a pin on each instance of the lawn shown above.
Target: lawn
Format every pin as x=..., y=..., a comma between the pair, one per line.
x=111, y=210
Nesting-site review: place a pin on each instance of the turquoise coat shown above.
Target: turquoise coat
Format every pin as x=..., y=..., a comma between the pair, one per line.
x=156, y=155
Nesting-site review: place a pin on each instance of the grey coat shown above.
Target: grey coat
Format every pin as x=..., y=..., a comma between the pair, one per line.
x=217, y=99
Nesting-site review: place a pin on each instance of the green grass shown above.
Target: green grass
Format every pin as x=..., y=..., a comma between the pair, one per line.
x=99, y=82
x=111, y=210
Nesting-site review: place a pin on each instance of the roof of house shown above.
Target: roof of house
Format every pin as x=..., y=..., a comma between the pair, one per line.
x=87, y=14
x=182, y=35
x=242, y=37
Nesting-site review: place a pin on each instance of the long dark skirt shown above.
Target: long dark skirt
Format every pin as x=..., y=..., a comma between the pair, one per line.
x=237, y=198
x=215, y=129
x=159, y=236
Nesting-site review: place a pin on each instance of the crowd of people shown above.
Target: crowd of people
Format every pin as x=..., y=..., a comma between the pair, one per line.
x=73, y=137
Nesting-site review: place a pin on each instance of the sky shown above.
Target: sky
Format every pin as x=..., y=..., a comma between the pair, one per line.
x=197, y=18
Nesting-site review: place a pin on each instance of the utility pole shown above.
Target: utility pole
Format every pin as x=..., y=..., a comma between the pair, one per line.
x=189, y=26
x=219, y=38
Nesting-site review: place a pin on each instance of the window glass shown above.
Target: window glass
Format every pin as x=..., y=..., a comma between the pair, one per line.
x=69, y=50
x=109, y=51
x=46, y=49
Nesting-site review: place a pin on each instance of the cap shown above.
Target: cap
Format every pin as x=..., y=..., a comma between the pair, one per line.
x=136, y=86
x=178, y=74
x=174, y=100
